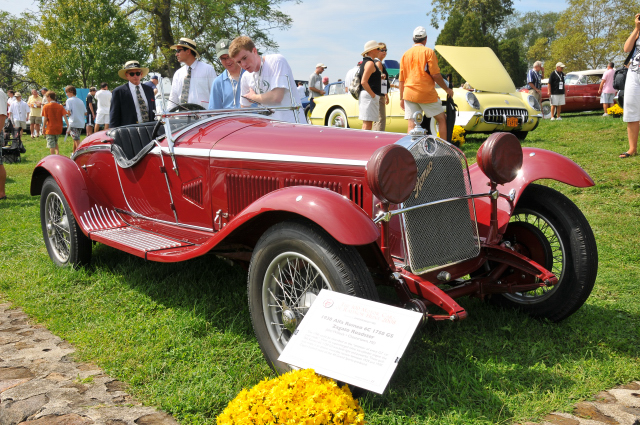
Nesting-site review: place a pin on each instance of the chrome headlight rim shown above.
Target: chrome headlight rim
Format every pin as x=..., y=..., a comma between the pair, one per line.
x=473, y=101
x=533, y=102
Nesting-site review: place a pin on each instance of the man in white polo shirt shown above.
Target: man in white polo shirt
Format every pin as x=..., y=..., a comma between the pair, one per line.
x=103, y=97
x=19, y=114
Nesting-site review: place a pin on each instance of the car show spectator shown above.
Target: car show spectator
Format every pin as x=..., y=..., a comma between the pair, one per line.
x=349, y=77
x=92, y=107
x=302, y=91
x=268, y=80
x=225, y=90
x=370, y=82
x=631, y=114
x=534, y=80
x=103, y=98
x=192, y=82
x=132, y=102
x=52, y=115
x=35, y=113
x=325, y=82
x=4, y=100
x=12, y=97
x=45, y=100
x=315, y=85
x=381, y=123
x=19, y=113
x=153, y=83
x=419, y=73
x=76, y=111
x=556, y=90
x=606, y=90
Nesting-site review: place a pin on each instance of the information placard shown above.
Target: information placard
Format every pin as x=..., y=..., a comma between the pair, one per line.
x=352, y=340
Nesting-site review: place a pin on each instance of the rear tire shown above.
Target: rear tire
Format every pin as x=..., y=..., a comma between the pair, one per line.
x=291, y=263
x=65, y=242
x=550, y=229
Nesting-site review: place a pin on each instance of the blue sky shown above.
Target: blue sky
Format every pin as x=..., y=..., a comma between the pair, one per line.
x=334, y=31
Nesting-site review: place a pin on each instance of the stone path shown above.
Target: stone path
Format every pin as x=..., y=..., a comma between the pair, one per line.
x=40, y=385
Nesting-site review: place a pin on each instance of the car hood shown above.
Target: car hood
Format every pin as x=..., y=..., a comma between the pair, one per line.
x=480, y=67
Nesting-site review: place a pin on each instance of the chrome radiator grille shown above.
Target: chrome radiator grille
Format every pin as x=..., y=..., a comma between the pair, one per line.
x=444, y=233
x=496, y=115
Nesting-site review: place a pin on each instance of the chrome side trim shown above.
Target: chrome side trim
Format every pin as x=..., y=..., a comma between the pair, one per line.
x=90, y=149
x=188, y=226
x=285, y=158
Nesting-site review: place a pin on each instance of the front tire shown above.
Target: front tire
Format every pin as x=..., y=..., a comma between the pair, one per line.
x=546, y=109
x=291, y=263
x=338, y=118
x=65, y=242
x=550, y=229
x=521, y=135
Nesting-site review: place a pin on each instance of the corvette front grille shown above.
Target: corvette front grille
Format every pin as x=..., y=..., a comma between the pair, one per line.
x=497, y=115
x=444, y=233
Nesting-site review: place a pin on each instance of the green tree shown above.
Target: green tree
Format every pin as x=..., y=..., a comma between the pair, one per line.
x=83, y=42
x=163, y=22
x=594, y=36
x=490, y=13
x=16, y=37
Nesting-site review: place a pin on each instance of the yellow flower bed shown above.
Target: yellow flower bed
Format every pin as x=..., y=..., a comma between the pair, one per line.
x=458, y=135
x=297, y=397
x=615, y=110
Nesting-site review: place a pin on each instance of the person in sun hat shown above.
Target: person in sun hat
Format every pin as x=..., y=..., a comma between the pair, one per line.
x=192, y=82
x=132, y=102
x=371, y=83
x=225, y=90
x=419, y=73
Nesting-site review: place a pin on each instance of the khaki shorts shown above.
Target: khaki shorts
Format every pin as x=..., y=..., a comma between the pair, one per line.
x=20, y=124
x=52, y=141
x=430, y=109
x=35, y=120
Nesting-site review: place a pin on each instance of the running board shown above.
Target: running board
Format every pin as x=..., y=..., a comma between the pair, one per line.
x=142, y=243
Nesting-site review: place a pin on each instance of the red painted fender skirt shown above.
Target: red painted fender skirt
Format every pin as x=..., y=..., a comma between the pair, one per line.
x=537, y=164
x=70, y=179
x=336, y=214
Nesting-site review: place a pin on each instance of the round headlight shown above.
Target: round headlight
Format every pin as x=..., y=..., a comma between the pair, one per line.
x=500, y=157
x=392, y=173
x=472, y=100
x=533, y=102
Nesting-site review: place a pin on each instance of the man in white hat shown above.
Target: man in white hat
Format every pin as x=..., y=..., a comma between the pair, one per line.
x=132, y=102
x=556, y=90
x=225, y=91
x=192, y=82
x=315, y=84
x=419, y=72
x=268, y=80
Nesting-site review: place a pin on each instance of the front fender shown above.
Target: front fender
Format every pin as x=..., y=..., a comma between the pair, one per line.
x=537, y=164
x=69, y=178
x=337, y=215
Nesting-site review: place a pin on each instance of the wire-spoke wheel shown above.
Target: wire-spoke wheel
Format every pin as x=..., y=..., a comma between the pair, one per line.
x=65, y=242
x=292, y=262
x=551, y=230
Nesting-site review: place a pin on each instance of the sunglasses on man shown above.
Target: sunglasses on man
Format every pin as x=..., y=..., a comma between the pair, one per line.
x=137, y=74
x=180, y=50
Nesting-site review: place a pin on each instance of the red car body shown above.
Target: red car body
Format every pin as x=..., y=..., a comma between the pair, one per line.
x=240, y=178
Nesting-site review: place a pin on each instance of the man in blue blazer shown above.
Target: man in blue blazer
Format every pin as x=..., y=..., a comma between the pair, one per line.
x=132, y=102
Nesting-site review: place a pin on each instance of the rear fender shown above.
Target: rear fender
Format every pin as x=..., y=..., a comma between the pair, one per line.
x=537, y=164
x=337, y=215
x=70, y=179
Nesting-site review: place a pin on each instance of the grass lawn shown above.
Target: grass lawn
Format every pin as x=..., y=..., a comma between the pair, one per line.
x=180, y=334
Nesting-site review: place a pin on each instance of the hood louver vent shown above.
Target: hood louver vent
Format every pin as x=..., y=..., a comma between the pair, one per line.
x=243, y=190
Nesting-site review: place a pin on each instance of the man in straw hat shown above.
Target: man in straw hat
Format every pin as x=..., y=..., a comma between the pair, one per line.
x=191, y=83
x=132, y=103
x=268, y=80
x=419, y=71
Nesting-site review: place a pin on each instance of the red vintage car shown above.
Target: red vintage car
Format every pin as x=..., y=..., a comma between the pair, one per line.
x=581, y=92
x=305, y=207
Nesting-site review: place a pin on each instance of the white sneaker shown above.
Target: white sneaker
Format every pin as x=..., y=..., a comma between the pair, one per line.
x=605, y=115
x=553, y=118
x=559, y=119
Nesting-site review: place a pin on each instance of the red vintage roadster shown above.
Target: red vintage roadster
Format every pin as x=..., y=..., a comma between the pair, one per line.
x=306, y=207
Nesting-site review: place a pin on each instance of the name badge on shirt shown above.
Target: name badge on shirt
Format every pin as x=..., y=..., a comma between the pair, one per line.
x=383, y=87
x=560, y=85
